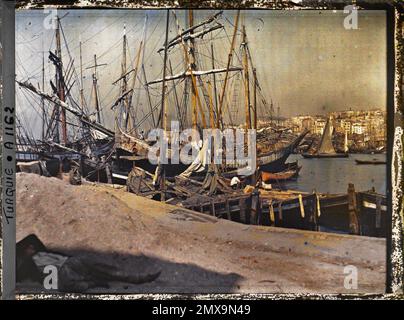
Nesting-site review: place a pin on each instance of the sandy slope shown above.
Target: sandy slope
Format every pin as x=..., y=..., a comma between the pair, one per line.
x=196, y=253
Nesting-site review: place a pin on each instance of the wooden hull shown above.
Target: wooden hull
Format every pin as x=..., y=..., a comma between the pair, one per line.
x=369, y=162
x=280, y=176
x=275, y=161
x=325, y=155
x=171, y=170
x=270, y=162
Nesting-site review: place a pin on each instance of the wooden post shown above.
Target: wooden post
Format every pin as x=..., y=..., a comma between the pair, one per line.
x=378, y=212
x=271, y=213
x=316, y=211
x=255, y=207
x=108, y=172
x=280, y=215
x=353, y=210
x=213, y=211
x=228, y=209
x=242, y=206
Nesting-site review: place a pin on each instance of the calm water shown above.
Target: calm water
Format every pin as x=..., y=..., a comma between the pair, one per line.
x=333, y=175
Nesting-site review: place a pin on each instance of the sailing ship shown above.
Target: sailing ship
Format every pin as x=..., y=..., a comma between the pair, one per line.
x=326, y=148
x=212, y=116
x=69, y=132
x=102, y=152
x=373, y=162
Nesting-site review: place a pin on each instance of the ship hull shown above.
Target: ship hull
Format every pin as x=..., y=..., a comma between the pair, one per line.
x=369, y=162
x=325, y=155
x=270, y=162
x=275, y=161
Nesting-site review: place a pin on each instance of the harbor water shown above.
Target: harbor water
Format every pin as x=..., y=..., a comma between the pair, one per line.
x=332, y=175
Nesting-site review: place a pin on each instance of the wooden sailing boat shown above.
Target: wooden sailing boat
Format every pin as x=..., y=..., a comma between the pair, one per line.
x=373, y=162
x=202, y=100
x=326, y=149
x=93, y=141
x=79, y=138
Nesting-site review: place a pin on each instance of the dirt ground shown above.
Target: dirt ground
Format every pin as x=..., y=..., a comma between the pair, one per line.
x=196, y=253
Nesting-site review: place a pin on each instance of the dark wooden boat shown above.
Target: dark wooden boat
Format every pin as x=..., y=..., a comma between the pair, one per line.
x=325, y=155
x=270, y=162
x=374, y=161
x=291, y=165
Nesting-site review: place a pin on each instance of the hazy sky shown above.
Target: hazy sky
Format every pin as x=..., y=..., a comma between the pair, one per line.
x=306, y=61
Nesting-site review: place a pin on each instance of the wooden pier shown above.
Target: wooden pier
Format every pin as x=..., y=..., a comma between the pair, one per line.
x=301, y=211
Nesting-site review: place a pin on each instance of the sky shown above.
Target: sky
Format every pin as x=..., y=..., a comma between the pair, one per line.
x=306, y=61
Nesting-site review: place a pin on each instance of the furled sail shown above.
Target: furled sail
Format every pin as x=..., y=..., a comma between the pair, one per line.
x=326, y=142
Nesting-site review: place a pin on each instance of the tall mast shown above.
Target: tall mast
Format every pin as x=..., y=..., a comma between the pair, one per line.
x=163, y=90
x=190, y=73
x=163, y=107
x=187, y=81
x=246, y=81
x=79, y=114
x=97, y=102
x=255, y=98
x=81, y=80
x=211, y=114
x=148, y=96
x=135, y=71
x=95, y=87
x=124, y=80
x=271, y=114
x=144, y=75
x=279, y=112
x=176, y=99
x=214, y=75
x=193, y=68
x=43, y=100
x=226, y=78
x=60, y=82
x=256, y=86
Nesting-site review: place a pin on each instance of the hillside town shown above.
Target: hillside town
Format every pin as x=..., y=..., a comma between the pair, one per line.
x=365, y=129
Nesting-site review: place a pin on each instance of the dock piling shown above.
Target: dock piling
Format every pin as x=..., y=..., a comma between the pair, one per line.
x=353, y=210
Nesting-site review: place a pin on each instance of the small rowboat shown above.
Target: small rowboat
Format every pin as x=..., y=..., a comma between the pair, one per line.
x=374, y=161
x=325, y=155
x=280, y=176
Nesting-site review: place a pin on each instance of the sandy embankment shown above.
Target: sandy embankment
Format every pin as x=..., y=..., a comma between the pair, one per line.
x=196, y=253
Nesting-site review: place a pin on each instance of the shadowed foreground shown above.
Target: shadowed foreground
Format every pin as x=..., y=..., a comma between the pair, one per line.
x=195, y=253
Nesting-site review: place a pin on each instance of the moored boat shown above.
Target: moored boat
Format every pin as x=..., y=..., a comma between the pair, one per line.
x=280, y=176
x=374, y=161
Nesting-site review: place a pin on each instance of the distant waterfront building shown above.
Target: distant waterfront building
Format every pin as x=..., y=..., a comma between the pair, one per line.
x=346, y=126
x=319, y=126
x=358, y=128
